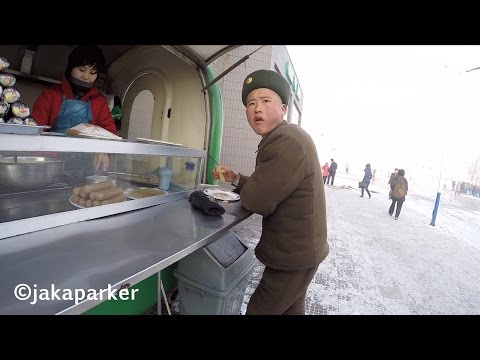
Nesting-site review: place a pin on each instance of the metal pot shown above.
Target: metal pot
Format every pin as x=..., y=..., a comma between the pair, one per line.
x=23, y=173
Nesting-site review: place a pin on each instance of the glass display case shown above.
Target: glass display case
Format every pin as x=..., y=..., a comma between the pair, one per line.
x=48, y=181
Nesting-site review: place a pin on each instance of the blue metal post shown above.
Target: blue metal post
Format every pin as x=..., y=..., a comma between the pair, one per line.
x=437, y=201
x=435, y=209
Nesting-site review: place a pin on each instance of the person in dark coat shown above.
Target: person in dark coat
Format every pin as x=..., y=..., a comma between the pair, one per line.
x=399, y=188
x=366, y=180
x=286, y=189
x=392, y=175
x=331, y=172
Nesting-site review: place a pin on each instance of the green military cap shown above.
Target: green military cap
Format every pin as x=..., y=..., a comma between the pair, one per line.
x=266, y=79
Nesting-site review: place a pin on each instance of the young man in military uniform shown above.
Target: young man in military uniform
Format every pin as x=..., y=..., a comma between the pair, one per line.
x=286, y=188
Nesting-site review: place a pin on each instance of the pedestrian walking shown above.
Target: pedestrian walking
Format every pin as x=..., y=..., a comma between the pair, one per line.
x=366, y=180
x=399, y=188
x=331, y=172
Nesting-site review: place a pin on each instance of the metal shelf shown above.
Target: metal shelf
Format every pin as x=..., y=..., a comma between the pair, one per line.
x=32, y=78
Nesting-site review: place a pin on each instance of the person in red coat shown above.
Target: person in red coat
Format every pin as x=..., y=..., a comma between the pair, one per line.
x=325, y=169
x=76, y=100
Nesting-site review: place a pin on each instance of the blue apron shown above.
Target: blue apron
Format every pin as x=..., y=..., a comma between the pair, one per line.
x=72, y=113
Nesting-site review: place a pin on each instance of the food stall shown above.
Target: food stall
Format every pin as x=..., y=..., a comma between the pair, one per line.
x=48, y=241
x=66, y=250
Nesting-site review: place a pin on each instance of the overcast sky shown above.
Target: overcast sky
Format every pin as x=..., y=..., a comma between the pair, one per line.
x=392, y=106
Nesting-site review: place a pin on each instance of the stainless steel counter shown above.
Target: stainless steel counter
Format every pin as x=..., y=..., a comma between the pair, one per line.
x=115, y=250
x=17, y=206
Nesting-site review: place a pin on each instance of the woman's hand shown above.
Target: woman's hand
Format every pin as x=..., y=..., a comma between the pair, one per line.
x=224, y=173
x=101, y=160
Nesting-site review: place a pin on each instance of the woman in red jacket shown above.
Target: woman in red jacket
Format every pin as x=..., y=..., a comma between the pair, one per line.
x=76, y=100
x=325, y=169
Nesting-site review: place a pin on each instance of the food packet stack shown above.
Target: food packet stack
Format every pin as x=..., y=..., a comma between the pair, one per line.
x=12, y=111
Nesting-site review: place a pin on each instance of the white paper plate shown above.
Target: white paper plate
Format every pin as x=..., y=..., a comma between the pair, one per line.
x=130, y=193
x=96, y=137
x=80, y=206
x=160, y=142
x=222, y=195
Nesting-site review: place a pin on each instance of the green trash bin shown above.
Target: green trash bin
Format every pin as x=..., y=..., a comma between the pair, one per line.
x=213, y=279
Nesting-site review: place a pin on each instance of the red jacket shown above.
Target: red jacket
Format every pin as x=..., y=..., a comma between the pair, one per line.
x=325, y=169
x=46, y=107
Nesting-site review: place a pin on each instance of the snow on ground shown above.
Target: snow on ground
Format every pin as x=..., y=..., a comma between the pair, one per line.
x=378, y=265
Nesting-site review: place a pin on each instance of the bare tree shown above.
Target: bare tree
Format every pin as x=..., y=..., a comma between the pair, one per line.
x=473, y=170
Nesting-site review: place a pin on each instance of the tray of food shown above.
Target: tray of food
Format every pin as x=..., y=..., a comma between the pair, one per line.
x=96, y=194
x=141, y=193
x=7, y=128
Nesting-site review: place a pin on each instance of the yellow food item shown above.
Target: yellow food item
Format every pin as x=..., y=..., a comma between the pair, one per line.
x=220, y=173
x=142, y=193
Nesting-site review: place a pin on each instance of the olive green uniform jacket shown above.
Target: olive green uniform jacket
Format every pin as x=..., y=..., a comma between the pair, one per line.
x=286, y=188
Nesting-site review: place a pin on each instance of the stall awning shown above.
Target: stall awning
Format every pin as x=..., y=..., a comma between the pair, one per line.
x=203, y=55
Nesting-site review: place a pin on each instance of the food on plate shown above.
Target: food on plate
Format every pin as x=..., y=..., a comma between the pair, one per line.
x=118, y=198
x=15, y=120
x=20, y=110
x=86, y=129
x=98, y=186
x=10, y=95
x=83, y=194
x=4, y=106
x=221, y=196
x=143, y=193
x=96, y=194
x=7, y=80
x=4, y=64
x=108, y=193
x=30, y=121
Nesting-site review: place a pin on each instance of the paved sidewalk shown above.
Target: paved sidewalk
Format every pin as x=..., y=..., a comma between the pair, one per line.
x=380, y=266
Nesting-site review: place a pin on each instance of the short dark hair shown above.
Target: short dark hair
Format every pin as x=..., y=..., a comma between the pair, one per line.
x=401, y=172
x=84, y=55
x=396, y=169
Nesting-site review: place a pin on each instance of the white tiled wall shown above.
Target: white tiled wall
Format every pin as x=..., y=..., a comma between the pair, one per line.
x=239, y=142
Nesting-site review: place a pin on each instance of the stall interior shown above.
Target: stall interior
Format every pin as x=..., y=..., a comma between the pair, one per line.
x=159, y=92
x=43, y=183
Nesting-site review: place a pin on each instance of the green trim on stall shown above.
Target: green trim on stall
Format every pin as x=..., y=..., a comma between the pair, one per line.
x=216, y=126
x=145, y=297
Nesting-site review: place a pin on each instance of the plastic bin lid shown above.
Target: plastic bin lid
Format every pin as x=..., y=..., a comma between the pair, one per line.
x=227, y=249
